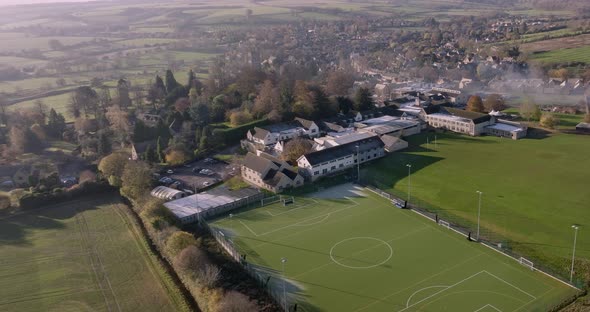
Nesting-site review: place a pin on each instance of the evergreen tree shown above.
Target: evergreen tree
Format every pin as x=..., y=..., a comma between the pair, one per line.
x=56, y=124
x=191, y=78
x=200, y=114
x=150, y=154
x=363, y=100
x=204, y=143
x=104, y=144
x=139, y=131
x=160, y=84
x=171, y=82
x=159, y=151
x=198, y=133
x=123, y=93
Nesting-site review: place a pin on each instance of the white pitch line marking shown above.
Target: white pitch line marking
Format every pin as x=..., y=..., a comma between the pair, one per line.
x=488, y=305
x=512, y=285
x=440, y=291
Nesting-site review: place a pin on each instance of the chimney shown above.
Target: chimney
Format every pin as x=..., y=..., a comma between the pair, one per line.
x=417, y=101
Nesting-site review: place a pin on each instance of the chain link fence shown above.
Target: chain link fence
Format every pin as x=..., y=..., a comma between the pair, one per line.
x=268, y=279
x=469, y=230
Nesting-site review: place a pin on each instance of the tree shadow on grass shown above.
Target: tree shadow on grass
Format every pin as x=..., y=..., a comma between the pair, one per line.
x=14, y=229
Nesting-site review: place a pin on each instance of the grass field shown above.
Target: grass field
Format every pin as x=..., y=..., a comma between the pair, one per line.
x=78, y=256
x=348, y=249
x=533, y=189
x=581, y=54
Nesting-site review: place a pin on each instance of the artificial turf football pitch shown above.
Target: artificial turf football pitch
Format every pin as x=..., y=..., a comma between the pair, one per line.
x=347, y=249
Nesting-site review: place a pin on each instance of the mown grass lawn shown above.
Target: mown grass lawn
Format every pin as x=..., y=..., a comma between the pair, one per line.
x=533, y=189
x=78, y=256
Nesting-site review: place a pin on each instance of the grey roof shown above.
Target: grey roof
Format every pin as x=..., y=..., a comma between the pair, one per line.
x=260, y=133
x=304, y=122
x=163, y=192
x=256, y=163
x=389, y=140
x=204, y=201
x=343, y=150
x=476, y=117
x=329, y=126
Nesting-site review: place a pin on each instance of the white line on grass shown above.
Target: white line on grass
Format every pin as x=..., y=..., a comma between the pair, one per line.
x=417, y=291
x=362, y=267
x=315, y=202
x=440, y=291
x=307, y=219
x=363, y=250
x=511, y=285
x=422, y=281
x=488, y=305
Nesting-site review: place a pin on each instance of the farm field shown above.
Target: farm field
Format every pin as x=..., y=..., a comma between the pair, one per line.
x=581, y=54
x=533, y=189
x=342, y=237
x=78, y=256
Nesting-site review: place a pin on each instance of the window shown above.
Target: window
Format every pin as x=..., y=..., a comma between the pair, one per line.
x=325, y=171
x=333, y=168
x=375, y=155
x=341, y=165
x=316, y=172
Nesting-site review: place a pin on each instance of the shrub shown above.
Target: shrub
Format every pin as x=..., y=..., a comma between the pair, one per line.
x=190, y=259
x=209, y=275
x=179, y=241
x=549, y=121
x=234, y=301
x=5, y=201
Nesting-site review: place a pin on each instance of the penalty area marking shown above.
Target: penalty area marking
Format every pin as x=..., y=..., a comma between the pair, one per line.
x=488, y=305
x=362, y=267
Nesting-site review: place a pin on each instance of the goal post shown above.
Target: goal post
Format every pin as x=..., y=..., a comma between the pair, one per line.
x=287, y=200
x=270, y=200
x=526, y=263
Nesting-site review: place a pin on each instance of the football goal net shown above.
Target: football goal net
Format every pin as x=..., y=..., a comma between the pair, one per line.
x=269, y=200
x=444, y=223
x=526, y=263
x=287, y=200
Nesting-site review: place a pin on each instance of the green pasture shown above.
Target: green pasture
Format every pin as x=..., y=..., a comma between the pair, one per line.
x=78, y=256
x=347, y=249
x=533, y=189
x=581, y=54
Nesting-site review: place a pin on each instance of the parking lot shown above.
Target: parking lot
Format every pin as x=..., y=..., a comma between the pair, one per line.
x=201, y=174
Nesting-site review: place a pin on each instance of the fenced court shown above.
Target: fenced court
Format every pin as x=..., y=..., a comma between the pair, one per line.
x=348, y=249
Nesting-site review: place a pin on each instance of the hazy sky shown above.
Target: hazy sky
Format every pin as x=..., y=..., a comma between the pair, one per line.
x=14, y=2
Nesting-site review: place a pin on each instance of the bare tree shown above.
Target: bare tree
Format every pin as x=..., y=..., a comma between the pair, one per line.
x=209, y=275
x=234, y=301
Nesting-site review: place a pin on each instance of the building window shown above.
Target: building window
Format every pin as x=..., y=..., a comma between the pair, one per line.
x=316, y=172
x=333, y=168
x=341, y=165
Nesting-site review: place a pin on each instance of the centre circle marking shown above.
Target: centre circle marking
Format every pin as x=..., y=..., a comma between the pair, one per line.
x=361, y=267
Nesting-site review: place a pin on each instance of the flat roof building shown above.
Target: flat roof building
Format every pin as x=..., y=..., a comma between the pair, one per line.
x=211, y=203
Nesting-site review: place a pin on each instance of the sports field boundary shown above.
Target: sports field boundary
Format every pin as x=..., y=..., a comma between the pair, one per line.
x=389, y=196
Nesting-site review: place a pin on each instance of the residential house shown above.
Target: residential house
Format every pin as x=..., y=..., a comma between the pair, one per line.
x=270, y=173
x=270, y=135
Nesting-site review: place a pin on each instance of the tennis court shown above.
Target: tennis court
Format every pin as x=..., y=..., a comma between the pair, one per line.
x=347, y=249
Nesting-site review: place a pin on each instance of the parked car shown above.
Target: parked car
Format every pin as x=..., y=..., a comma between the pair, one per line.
x=206, y=183
x=170, y=171
x=197, y=169
x=207, y=172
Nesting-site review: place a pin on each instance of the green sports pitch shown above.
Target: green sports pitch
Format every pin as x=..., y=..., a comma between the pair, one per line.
x=348, y=249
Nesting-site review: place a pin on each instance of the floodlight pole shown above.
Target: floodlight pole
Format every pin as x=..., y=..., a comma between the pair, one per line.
x=575, y=227
x=478, y=212
x=358, y=165
x=283, y=261
x=409, y=182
